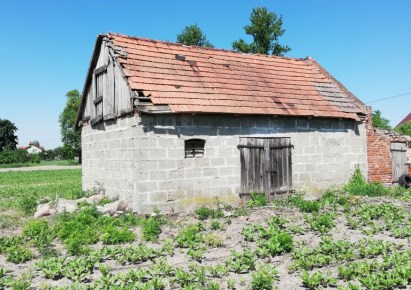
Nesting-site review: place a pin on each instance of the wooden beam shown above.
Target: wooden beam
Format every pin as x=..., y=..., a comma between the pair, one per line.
x=98, y=100
x=96, y=120
x=150, y=108
x=100, y=69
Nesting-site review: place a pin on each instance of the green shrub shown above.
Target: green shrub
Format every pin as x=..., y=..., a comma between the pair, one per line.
x=190, y=236
x=28, y=202
x=22, y=283
x=257, y=200
x=14, y=156
x=152, y=228
x=5, y=278
x=19, y=254
x=204, y=213
x=116, y=235
x=51, y=268
x=240, y=212
x=77, y=230
x=278, y=243
x=264, y=278
x=304, y=205
x=7, y=242
x=357, y=185
x=322, y=223
x=34, y=228
x=241, y=262
x=41, y=235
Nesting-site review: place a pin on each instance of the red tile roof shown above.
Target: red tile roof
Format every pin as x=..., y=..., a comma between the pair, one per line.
x=221, y=81
x=405, y=120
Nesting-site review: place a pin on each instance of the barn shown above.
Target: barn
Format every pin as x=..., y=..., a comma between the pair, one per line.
x=172, y=127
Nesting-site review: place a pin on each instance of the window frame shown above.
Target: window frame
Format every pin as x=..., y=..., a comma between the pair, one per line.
x=194, y=148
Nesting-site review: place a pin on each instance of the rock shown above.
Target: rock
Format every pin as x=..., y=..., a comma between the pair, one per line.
x=83, y=199
x=95, y=198
x=113, y=207
x=65, y=205
x=42, y=210
x=227, y=213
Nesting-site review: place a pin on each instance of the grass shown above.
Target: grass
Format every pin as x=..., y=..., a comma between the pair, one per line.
x=42, y=163
x=19, y=187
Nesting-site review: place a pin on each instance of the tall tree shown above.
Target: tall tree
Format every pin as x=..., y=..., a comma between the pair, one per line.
x=265, y=29
x=70, y=137
x=379, y=121
x=192, y=35
x=8, y=138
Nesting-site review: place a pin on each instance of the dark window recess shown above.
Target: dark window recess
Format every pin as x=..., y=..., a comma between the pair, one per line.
x=194, y=148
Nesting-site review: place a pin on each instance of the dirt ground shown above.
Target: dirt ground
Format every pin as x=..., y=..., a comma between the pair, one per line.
x=233, y=239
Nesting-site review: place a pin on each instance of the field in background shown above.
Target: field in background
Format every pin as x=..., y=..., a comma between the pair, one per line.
x=20, y=191
x=42, y=163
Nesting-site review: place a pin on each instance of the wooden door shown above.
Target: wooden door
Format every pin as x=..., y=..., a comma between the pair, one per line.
x=265, y=165
x=399, y=158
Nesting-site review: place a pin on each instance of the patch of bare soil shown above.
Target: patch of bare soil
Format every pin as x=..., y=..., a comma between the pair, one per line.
x=298, y=224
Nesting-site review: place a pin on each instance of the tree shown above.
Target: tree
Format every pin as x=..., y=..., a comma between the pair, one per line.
x=35, y=143
x=192, y=35
x=8, y=139
x=265, y=29
x=70, y=137
x=380, y=122
x=404, y=129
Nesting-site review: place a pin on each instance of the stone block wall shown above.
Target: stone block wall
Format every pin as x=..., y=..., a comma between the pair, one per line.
x=142, y=158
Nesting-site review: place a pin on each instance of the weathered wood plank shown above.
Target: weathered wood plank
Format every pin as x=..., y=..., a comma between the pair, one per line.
x=399, y=158
x=100, y=70
x=265, y=165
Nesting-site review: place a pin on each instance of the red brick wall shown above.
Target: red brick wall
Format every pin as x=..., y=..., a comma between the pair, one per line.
x=379, y=151
x=379, y=157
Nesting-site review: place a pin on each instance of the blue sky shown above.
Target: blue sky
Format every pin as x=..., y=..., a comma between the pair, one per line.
x=47, y=45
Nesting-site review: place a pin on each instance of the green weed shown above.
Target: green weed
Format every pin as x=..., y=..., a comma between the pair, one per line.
x=19, y=254
x=257, y=200
x=264, y=278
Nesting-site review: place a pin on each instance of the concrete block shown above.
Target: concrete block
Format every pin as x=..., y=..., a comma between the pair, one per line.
x=233, y=161
x=176, y=174
x=213, y=142
x=166, y=142
x=233, y=141
x=157, y=154
x=175, y=153
x=167, y=185
x=147, y=143
x=131, y=185
x=209, y=172
x=176, y=195
x=192, y=173
x=211, y=152
x=148, y=186
x=310, y=167
x=157, y=175
x=167, y=164
x=158, y=197
x=201, y=162
x=226, y=171
x=216, y=162
x=185, y=163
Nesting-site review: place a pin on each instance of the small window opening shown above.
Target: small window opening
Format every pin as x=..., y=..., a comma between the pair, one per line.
x=194, y=148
